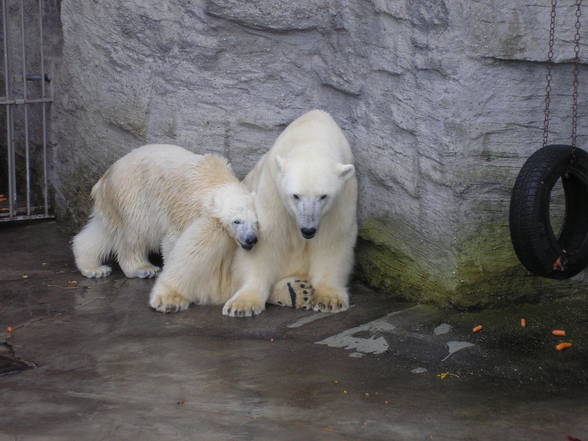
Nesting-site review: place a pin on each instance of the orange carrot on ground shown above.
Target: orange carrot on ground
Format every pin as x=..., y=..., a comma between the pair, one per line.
x=9, y=329
x=477, y=328
x=523, y=323
x=563, y=346
x=559, y=332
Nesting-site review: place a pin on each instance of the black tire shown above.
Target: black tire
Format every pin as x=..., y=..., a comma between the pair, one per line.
x=530, y=227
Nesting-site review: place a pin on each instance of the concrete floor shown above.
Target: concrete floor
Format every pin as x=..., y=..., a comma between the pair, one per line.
x=110, y=368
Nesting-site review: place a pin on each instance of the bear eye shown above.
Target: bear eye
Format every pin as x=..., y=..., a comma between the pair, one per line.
x=323, y=197
x=236, y=221
x=295, y=196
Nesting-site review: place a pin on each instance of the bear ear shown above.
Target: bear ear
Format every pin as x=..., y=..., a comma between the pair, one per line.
x=281, y=163
x=345, y=171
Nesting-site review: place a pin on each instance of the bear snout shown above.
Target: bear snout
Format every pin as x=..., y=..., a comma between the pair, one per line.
x=308, y=233
x=249, y=242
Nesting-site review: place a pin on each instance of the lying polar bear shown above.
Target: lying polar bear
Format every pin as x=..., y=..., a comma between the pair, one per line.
x=191, y=207
x=306, y=200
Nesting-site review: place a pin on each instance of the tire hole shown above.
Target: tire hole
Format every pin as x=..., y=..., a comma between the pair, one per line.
x=557, y=208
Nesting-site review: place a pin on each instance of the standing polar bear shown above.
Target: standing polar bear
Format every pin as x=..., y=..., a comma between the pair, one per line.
x=305, y=198
x=161, y=194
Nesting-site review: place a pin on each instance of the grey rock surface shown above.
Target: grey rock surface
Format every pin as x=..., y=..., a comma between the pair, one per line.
x=442, y=101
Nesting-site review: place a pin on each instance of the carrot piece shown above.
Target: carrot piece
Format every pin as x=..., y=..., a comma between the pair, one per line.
x=559, y=332
x=563, y=346
x=523, y=323
x=477, y=328
x=557, y=266
x=9, y=329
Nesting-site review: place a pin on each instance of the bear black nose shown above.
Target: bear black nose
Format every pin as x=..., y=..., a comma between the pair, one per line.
x=251, y=240
x=308, y=233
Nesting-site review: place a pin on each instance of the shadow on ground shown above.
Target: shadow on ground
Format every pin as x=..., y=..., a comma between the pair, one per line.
x=101, y=365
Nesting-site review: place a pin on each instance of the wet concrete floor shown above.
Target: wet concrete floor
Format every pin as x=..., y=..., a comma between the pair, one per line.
x=110, y=368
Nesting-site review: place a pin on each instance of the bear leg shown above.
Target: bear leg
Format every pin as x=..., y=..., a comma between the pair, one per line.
x=91, y=247
x=134, y=262
x=295, y=292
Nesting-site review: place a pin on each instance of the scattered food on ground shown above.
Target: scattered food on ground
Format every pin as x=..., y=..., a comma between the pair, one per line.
x=559, y=332
x=65, y=287
x=9, y=329
x=523, y=323
x=477, y=328
x=25, y=276
x=444, y=375
x=563, y=346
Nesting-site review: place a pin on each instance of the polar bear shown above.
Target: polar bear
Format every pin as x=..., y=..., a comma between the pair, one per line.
x=198, y=270
x=150, y=198
x=306, y=200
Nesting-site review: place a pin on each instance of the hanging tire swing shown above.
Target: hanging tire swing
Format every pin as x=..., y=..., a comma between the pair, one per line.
x=534, y=241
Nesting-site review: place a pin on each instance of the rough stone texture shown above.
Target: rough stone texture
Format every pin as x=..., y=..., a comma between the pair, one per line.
x=441, y=100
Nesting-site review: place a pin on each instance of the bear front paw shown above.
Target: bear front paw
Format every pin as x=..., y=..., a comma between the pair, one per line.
x=327, y=299
x=294, y=292
x=244, y=304
x=166, y=299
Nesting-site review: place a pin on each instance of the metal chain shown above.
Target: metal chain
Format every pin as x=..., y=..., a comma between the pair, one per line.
x=549, y=73
x=575, y=71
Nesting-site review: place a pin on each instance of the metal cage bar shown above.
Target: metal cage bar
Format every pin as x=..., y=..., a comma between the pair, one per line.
x=37, y=208
x=44, y=113
x=26, y=109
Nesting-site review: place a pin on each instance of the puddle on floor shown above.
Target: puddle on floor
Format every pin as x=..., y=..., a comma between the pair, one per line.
x=10, y=363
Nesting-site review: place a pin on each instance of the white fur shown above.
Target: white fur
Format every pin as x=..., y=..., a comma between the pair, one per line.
x=164, y=197
x=310, y=159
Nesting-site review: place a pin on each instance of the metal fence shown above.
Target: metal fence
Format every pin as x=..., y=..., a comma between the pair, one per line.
x=24, y=188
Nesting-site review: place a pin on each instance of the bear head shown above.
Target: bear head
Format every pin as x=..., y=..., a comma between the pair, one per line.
x=233, y=206
x=309, y=184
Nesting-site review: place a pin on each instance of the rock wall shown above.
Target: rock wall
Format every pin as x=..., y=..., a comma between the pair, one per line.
x=441, y=101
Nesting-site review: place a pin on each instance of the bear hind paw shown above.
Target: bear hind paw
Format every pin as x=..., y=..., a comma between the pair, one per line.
x=146, y=271
x=293, y=292
x=97, y=273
